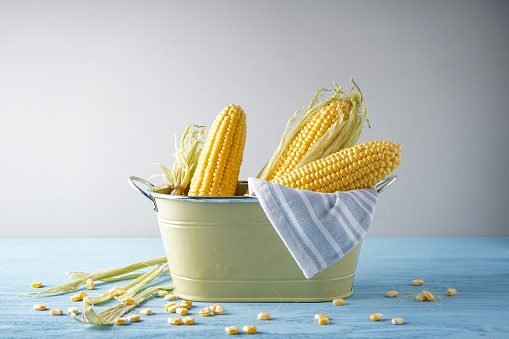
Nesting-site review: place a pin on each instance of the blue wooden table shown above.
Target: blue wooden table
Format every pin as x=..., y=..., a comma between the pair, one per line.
x=477, y=267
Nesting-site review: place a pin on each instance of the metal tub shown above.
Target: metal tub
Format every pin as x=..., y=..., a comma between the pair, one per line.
x=225, y=249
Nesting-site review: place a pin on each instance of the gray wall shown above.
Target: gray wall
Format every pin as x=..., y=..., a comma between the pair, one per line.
x=92, y=92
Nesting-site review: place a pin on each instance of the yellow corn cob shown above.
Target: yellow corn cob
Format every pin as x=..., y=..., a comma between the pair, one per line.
x=360, y=166
x=220, y=159
x=308, y=135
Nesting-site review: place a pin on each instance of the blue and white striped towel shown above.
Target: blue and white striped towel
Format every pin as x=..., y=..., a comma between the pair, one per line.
x=317, y=228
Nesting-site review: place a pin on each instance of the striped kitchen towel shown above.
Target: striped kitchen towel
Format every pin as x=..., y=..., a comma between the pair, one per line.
x=317, y=228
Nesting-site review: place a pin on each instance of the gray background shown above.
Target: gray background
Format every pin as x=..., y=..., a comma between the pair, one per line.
x=92, y=92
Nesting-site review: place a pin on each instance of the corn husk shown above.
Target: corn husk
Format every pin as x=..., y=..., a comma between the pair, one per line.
x=342, y=134
x=186, y=160
x=131, y=288
x=108, y=316
x=74, y=285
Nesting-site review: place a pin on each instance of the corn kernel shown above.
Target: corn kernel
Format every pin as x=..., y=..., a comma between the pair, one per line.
x=56, y=311
x=205, y=312
x=82, y=295
x=170, y=297
x=323, y=321
x=218, y=309
x=420, y=297
x=121, y=321
x=76, y=297
x=249, y=329
x=174, y=321
x=232, y=330
x=188, y=320
x=181, y=311
x=172, y=308
x=187, y=302
x=169, y=305
x=338, y=302
x=145, y=311
x=391, y=294
x=162, y=294
x=321, y=315
x=120, y=292
x=451, y=291
x=417, y=282
x=72, y=310
x=133, y=318
x=376, y=316
x=129, y=301
x=429, y=296
x=36, y=284
x=397, y=321
x=39, y=307
x=264, y=315
x=89, y=284
x=182, y=305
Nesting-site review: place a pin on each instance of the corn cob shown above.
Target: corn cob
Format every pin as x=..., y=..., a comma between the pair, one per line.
x=323, y=128
x=219, y=163
x=309, y=135
x=360, y=166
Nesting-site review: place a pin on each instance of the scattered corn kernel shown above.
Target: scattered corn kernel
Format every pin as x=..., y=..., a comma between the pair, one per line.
x=338, y=302
x=121, y=321
x=145, y=311
x=264, y=315
x=169, y=305
x=321, y=315
x=417, y=282
x=181, y=311
x=249, y=329
x=39, y=307
x=206, y=312
x=420, y=297
x=187, y=302
x=391, y=294
x=323, y=321
x=232, y=330
x=397, y=321
x=172, y=308
x=121, y=292
x=376, y=316
x=170, y=297
x=72, y=310
x=129, y=301
x=218, y=309
x=162, y=294
x=133, y=318
x=76, y=297
x=182, y=305
x=89, y=284
x=174, y=321
x=451, y=291
x=83, y=295
x=188, y=320
x=36, y=284
x=56, y=311
x=428, y=295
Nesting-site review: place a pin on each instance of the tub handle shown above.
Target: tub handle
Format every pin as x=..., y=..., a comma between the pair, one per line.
x=136, y=187
x=382, y=185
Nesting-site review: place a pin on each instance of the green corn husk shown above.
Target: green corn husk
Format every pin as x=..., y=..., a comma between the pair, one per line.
x=108, y=316
x=138, y=283
x=340, y=135
x=108, y=273
x=186, y=159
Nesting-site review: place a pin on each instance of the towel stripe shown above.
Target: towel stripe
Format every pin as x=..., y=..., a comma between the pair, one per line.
x=317, y=228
